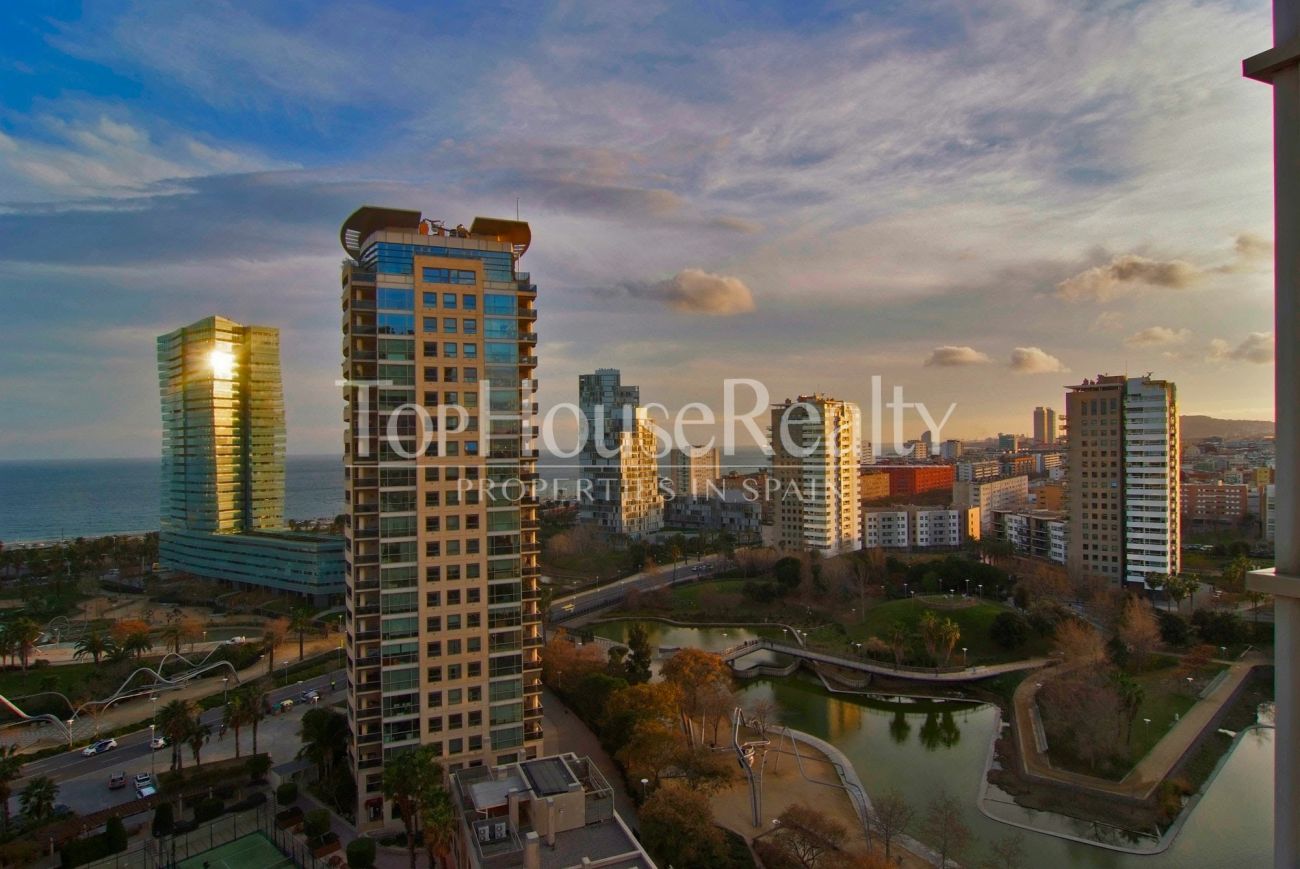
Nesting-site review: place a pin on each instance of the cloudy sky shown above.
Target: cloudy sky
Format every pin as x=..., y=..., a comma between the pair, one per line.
x=978, y=200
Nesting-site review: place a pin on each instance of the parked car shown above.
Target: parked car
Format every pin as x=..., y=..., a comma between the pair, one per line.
x=99, y=747
x=158, y=742
x=117, y=781
x=144, y=786
x=312, y=696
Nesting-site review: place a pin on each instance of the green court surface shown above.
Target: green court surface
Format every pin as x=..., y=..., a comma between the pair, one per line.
x=254, y=851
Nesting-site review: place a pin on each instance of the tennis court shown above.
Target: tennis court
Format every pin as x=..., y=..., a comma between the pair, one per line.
x=254, y=851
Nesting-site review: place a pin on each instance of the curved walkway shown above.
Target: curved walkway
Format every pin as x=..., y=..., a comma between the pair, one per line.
x=1152, y=769
x=967, y=674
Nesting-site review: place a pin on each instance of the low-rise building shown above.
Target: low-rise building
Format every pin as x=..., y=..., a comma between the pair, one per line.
x=553, y=812
x=913, y=527
x=1047, y=494
x=1015, y=465
x=734, y=511
x=873, y=485
x=1214, y=503
x=907, y=480
x=981, y=469
x=1008, y=493
x=1036, y=533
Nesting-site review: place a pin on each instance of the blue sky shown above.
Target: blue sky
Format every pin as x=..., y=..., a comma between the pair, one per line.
x=980, y=201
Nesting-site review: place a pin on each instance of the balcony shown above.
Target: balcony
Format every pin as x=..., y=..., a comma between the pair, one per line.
x=528, y=314
x=528, y=337
x=361, y=329
x=362, y=304
x=528, y=361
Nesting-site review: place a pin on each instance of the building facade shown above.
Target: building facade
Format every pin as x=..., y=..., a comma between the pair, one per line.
x=223, y=448
x=976, y=470
x=1124, y=471
x=905, y=480
x=443, y=626
x=913, y=527
x=1214, y=503
x=815, y=449
x=873, y=485
x=692, y=469
x=1045, y=430
x=1036, y=533
x=990, y=496
x=620, y=490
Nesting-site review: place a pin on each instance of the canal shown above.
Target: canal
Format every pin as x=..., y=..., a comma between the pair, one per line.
x=917, y=745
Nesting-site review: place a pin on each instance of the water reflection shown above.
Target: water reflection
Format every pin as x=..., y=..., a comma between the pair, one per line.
x=1231, y=826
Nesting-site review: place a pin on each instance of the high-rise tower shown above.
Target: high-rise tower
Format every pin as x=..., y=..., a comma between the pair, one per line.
x=1044, y=425
x=620, y=469
x=443, y=625
x=1124, y=478
x=815, y=445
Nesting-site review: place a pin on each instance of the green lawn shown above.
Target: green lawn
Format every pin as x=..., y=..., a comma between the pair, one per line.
x=974, y=622
x=687, y=597
x=67, y=679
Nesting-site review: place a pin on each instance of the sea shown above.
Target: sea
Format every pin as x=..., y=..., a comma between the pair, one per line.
x=56, y=499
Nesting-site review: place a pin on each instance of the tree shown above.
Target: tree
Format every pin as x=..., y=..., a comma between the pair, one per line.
x=1131, y=695
x=1079, y=641
x=1007, y=852
x=1139, y=630
x=301, y=620
x=437, y=814
x=948, y=634
x=929, y=628
x=239, y=712
x=93, y=645
x=198, y=737
x=273, y=634
x=24, y=633
x=1010, y=630
x=37, y=799
x=890, y=816
x=677, y=827
x=163, y=820
x=652, y=747
x=639, y=655
x=704, y=770
x=808, y=835
x=361, y=853
x=175, y=721
x=788, y=572
x=137, y=643
x=1081, y=712
x=944, y=828
x=324, y=736
x=696, y=675
x=402, y=785
x=868, y=568
x=897, y=636
x=1233, y=578
x=11, y=768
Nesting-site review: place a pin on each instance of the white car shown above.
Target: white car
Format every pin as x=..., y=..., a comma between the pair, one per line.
x=144, y=786
x=99, y=747
x=158, y=742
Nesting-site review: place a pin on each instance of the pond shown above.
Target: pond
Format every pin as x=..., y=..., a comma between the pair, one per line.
x=916, y=745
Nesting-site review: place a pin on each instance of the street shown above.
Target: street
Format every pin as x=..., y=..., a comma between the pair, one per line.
x=83, y=781
x=615, y=593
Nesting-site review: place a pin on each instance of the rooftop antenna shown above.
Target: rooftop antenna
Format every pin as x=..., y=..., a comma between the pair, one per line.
x=516, y=208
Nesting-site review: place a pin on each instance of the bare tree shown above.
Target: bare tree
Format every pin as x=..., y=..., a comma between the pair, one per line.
x=1079, y=642
x=1006, y=853
x=945, y=828
x=891, y=814
x=808, y=835
x=1139, y=630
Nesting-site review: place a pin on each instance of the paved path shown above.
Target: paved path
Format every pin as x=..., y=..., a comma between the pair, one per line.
x=1159, y=761
x=562, y=731
x=969, y=674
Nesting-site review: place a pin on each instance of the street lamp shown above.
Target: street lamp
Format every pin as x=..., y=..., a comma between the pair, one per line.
x=644, y=783
x=963, y=656
x=71, y=721
x=151, y=750
x=225, y=696
x=968, y=587
x=981, y=591
x=286, y=674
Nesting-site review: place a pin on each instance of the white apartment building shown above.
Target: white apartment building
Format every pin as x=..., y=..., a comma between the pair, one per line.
x=1037, y=533
x=816, y=444
x=913, y=527
x=1151, y=479
x=983, y=469
x=1006, y=493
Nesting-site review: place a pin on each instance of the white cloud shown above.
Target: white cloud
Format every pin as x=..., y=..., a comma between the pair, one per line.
x=1157, y=336
x=1123, y=273
x=1034, y=360
x=952, y=357
x=699, y=292
x=1257, y=347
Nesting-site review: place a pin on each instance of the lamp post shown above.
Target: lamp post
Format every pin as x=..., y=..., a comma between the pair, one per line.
x=71, y=721
x=645, y=782
x=981, y=591
x=286, y=674
x=968, y=587
x=225, y=691
x=963, y=657
x=152, y=770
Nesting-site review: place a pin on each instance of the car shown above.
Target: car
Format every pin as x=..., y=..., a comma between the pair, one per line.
x=117, y=781
x=99, y=747
x=144, y=786
x=158, y=742
x=312, y=696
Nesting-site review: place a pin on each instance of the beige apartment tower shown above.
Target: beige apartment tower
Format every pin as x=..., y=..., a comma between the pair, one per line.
x=691, y=470
x=1123, y=498
x=1045, y=430
x=443, y=625
x=619, y=491
x=816, y=441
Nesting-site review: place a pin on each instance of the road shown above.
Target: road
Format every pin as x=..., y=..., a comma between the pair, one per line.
x=614, y=593
x=83, y=781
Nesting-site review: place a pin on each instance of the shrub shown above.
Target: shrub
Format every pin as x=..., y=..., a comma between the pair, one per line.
x=317, y=823
x=20, y=852
x=788, y=572
x=1220, y=629
x=115, y=834
x=1174, y=629
x=163, y=821
x=760, y=592
x=361, y=853
x=287, y=793
x=251, y=801
x=258, y=766
x=208, y=809
x=1010, y=630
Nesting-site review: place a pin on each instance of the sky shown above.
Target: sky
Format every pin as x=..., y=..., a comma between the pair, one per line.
x=980, y=201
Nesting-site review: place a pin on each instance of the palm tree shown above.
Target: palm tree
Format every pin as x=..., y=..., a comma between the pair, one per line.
x=37, y=799
x=255, y=713
x=94, y=644
x=237, y=712
x=198, y=736
x=324, y=735
x=24, y=633
x=897, y=638
x=137, y=643
x=402, y=785
x=176, y=721
x=930, y=634
x=438, y=817
x=948, y=633
x=11, y=767
x=300, y=622
x=171, y=635
x=7, y=646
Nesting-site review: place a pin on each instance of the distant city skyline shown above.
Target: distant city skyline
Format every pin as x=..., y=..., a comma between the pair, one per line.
x=747, y=192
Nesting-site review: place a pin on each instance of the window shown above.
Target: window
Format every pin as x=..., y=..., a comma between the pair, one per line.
x=430, y=300
x=449, y=276
x=469, y=327
x=396, y=324
x=395, y=299
x=468, y=302
x=470, y=351
x=449, y=325
x=430, y=325
x=499, y=303
x=430, y=347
